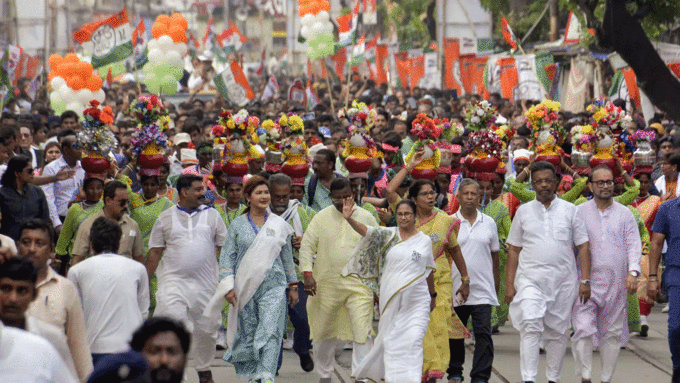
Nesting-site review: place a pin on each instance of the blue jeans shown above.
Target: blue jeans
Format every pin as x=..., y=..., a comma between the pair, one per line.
x=298, y=316
x=97, y=357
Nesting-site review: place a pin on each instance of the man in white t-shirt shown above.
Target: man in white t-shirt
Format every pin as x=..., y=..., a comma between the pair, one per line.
x=114, y=290
x=478, y=240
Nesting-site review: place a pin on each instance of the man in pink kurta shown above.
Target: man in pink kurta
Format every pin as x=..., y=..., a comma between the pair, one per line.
x=615, y=250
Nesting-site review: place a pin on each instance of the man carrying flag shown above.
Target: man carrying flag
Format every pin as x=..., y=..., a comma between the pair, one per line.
x=109, y=40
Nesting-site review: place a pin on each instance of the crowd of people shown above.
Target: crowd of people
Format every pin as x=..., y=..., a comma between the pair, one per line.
x=124, y=274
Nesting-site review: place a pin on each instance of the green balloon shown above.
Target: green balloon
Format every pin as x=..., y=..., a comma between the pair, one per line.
x=59, y=106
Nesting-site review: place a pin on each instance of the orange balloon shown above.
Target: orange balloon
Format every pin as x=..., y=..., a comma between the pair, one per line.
x=180, y=20
x=182, y=38
x=159, y=30
x=75, y=83
x=94, y=83
x=176, y=32
x=163, y=19
x=326, y=6
x=54, y=60
x=71, y=58
x=51, y=75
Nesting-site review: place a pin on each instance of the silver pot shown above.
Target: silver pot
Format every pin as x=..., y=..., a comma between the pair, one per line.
x=273, y=157
x=644, y=157
x=581, y=159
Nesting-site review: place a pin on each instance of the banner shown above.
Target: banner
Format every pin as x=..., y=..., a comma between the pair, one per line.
x=631, y=84
x=529, y=88
x=478, y=86
x=297, y=94
x=358, y=51
x=380, y=63
x=403, y=65
x=417, y=70
x=452, y=78
x=233, y=85
x=543, y=61
x=576, y=93
x=108, y=40
x=340, y=59
x=370, y=13
x=508, y=76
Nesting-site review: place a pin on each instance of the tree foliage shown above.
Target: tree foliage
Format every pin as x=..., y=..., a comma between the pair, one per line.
x=406, y=16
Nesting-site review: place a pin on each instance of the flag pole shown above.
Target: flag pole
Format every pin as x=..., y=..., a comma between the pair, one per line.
x=139, y=86
x=328, y=85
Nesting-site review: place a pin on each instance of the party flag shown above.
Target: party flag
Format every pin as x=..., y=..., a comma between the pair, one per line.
x=109, y=40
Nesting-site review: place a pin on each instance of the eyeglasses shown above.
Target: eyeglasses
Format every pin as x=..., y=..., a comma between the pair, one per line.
x=426, y=194
x=404, y=215
x=338, y=200
x=603, y=183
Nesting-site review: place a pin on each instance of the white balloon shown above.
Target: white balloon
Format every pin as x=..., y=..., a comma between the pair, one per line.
x=85, y=96
x=55, y=98
x=304, y=31
x=57, y=82
x=307, y=19
x=165, y=43
x=329, y=27
x=76, y=107
x=181, y=48
x=99, y=95
x=68, y=95
x=317, y=28
x=322, y=16
x=173, y=57
x=152, y=44
x=156, y=56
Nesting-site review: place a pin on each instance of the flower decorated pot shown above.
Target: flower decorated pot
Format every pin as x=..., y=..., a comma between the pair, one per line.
x=273, y=161
x=358, y=160
x=481, y=162
x=150, y=157
x=95, y=163
x=603, y=157
x=295, y=166
x=424, y=173
x=644, y=155
x=236, y=167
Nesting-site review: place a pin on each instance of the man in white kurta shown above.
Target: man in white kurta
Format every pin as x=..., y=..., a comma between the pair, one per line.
x=542, y=282
x=339, y=308
x=615, y=253
x=182, y=246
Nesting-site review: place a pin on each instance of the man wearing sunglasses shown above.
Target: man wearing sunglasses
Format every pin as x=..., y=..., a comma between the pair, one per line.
x=116, y=201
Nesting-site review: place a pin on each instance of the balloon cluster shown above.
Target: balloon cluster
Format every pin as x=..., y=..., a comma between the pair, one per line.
x=317, y=28
x=166, y=54
x=74, y=84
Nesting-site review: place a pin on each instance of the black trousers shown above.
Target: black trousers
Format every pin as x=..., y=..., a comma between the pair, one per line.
x=482, y=359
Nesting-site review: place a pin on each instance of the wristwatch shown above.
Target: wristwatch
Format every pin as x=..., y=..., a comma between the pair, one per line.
x=634, y=273
x=585, y=282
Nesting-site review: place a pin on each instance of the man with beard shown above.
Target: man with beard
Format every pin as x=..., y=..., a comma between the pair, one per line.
x=542, y=283
x=165, y=345
x=615, y=251
x=340, y=308
x=182, y=247
x=299, y=217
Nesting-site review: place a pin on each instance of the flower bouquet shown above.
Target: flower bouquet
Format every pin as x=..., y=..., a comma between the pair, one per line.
x=480, y=116
x=427, y=133
x=237, y=148
x=294, y=148
x=449, y=132
x=605, y=120
x=96, y=139
x=149, y=141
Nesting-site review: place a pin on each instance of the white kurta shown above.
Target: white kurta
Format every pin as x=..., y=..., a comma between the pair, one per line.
x=546, y=282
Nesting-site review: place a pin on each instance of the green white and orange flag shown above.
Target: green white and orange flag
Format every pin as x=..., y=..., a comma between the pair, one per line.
x=233, y=85
x=108, y=40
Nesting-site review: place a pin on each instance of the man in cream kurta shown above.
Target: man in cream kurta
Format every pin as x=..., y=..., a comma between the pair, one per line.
x=339, y=308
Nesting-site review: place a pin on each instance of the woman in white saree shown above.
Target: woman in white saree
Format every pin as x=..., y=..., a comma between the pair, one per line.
x=397, y=263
